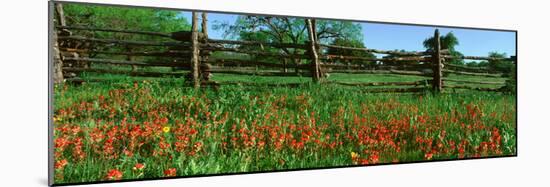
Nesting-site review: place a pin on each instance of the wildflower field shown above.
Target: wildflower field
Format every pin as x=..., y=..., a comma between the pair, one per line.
x=148, y=129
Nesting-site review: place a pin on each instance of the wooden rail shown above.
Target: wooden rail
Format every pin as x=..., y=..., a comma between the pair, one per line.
x=87, y=28
x=357, y=69
x=478, y=58
x=259, y=44
x=131, y=73
x=396, y=72
x=415, y=83
x=376, y=50
x=241, y=83
x=125, y=62
x=472, y=82
x=473, y=88
x=394, y=59
x=467, y=68
x=166, y=53
x=260, y=73
x=258, y=53
x=123, y=42
x=395, y=90
x=251, y=63
x=472, y=74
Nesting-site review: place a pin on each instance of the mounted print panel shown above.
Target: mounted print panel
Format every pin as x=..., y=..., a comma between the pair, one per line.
x=145, y=93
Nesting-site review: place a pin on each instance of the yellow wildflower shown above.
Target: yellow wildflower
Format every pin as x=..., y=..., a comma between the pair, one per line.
x=354, y=155
x=166, y=129
x=57, y=119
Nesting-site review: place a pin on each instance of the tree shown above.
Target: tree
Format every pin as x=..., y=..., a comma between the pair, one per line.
x=288, y=30
x=449, y=42
x=143, y=19
x=397, y=63
x=481, y=63
x=504, y=66
x=125, y=18
x=507, y=67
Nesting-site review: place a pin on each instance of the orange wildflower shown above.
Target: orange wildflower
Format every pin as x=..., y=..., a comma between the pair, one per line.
x=138, y=166
x=170, y=172
x=114, y=174
x=60, y=164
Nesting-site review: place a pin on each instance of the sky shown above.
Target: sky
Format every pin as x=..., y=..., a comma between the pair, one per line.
x=384, y=36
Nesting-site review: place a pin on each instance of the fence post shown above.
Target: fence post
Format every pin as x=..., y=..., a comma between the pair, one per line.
x=515, y=70
x=285, y=62
x=130, y=57
x=205, y=67
x=195, y=52
x=204, y=29
x=317, y=47
x=436, y=58
x=57, y=61
x=316, y=74
x=58, y=58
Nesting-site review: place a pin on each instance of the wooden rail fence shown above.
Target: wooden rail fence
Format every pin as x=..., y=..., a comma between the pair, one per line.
x=191, y=51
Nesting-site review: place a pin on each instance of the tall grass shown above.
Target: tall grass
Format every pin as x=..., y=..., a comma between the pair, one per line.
x=105, y=127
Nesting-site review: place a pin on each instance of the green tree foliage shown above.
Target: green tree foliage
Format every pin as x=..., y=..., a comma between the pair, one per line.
x=481, y=63
x=141, y=19
x=355, y=53
x=504, y=66
x=395, y=63
x=449, y=42
x=288, y=30
x=145, y=19
x=328, y=31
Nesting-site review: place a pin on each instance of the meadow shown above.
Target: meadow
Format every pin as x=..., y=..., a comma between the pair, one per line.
x=135, y=128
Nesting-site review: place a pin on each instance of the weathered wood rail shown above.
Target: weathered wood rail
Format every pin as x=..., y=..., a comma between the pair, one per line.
x=191, y=51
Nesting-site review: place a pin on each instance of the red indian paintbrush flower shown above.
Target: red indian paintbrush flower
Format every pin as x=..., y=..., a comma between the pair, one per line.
x=374, y=158
x=138, y=166
x=114, y=174
x=170, y=172
x=61, y=143
x=428, y=156
x=60, y=164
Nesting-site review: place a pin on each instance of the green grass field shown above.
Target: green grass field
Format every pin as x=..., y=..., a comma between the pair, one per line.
x=134, y=128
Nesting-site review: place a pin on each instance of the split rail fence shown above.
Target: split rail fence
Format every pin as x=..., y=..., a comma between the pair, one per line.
x=191, y=50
